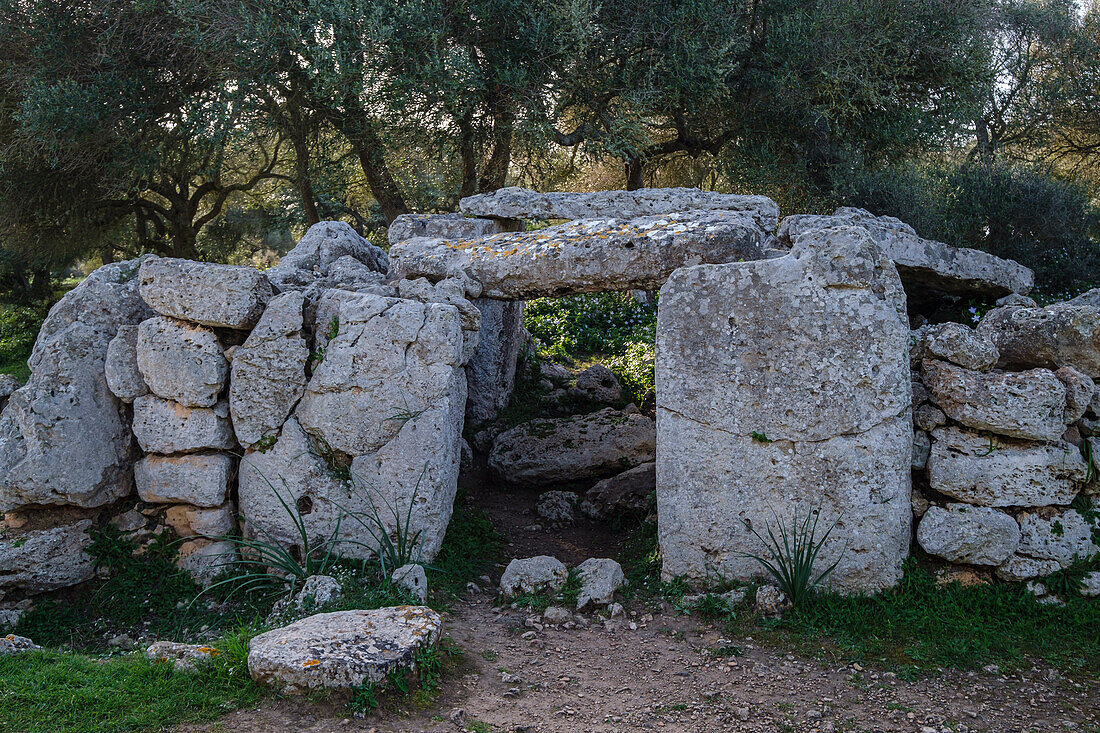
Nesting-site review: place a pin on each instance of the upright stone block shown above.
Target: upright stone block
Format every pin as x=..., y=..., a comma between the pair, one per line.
x=783, y=386
x=491, y=372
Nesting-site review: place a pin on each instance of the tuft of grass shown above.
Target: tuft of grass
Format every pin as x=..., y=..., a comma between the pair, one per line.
x=792, y=555
x=469, y=549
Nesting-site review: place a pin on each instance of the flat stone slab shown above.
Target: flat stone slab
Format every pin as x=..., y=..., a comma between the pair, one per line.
x=922, y=262
x=523, y=203
x=446, y=226
x=229, y=296
x=342, y=649
x=587, y=256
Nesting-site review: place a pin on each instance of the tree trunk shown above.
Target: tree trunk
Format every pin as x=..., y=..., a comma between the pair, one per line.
x=184, y=238
x=634, y=173
x=468, y=153
x=302, y=179
x=495, y=174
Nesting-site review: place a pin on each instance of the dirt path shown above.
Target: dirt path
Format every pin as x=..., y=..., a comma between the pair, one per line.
x=662, y=676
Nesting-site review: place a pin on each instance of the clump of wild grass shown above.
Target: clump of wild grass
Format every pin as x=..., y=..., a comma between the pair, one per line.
x=791, y=553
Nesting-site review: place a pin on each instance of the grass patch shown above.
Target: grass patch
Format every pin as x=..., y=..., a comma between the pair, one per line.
x=469, y=549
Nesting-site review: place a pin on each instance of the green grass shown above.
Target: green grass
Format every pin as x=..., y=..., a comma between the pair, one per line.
x=469, y=549
x=73, y=693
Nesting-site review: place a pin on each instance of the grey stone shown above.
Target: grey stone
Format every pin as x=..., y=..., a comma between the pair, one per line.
x=46, y=559
x=600, y=578
x=922, y=449
x=318, y=591
x=557, y=507
x=1016, y=300
x=929, y=417
x=1056, y=534
x=585, y=256
x=969, y=534
x=922, y=263
x=1018, y=568
x=556, y=616
x=182, y=362
x=183, y=657
x=412, y=578
x=784, y=384
x=312, y=260
x=491, y=371
x=200, y=479
x=446, y=226
x=1089, y=298
x=522, y=203
x=955, y=343
x=623, y=494
x=919, y=503
x=269, y=371
x=8, y=385
x=999, y=472
x=204, y=292
x=12, y=644
x=345, y=649
x=64, y=437
x=1058, y=335
x=1029, y=404
x=1080, y=391
x=192, y=521
x=533, y=575
x=164, y=426
x=205, y=559
x=771, y=602
x=121, y=366
x=1090, y=587
x=577, y=448
x=599, y=384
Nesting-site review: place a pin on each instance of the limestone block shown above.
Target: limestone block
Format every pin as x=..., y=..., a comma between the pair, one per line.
x=954, y=343
x=204, y=292
x=491, y=371
x=121, y=366
x=47, y=559
x=164, y=426
x=968, y=534
x=313, y=261
x=201, y=479
x=533, y=575
x=180, y=361
x=1062, y=334
x=447, y=226
x=1056, y=534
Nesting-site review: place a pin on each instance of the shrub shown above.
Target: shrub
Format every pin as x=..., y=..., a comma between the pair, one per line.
x=634, y=368
x=19, y=326
x=583, y=325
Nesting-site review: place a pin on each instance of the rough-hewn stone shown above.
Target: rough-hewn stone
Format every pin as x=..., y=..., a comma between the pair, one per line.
x=558, y=508
x=205, y=559
x=599, y=384
x=182, y=362
x=999, y=472
x=47, y=559
x=164, y=426
x=522, y=203
x=784, y=385
x=970, y=534
x=585, y=256
x=922, y=263
x=600, y=579
x=1029, y=404
x=447, y=226
x=269, y=370
x=316, y=259
x=121, y=365
x=955, y=343
x=201, y=479
x=204, y=292
x=64, y=437
x=1080, y=390
x=491, y=371
x=533, y=575
x=413, y=578
x=345, y=649
x=12, y=644
x=1056, y=534
x=1058, y=335
x=577, y=448
x=626, y=493
x=1019, y=568
x=192, y=521
x=183, y=657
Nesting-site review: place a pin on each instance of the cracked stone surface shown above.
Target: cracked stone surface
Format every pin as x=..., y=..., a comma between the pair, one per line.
x=1062, y=334
x=48, y=559
x=229, y=296
x=446, y=226
x=586, y=256
x=784, y=385
x=968, y=534
x=182, y=362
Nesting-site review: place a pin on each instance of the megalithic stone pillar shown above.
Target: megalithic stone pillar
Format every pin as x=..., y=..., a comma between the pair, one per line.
x=783, y=386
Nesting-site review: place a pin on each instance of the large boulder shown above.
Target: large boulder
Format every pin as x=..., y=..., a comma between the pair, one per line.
x=269, y=370
x=1029, y=404
x=600, y=579
x=321, y=258
x=121, y=365
x=345, y=649
x=47, y=559
x=1056, y=534
x=997, y=472
x=955, y=343
x=523, y=203
x=970, y=534
x=204, y=292
x=539, y=574
x=784, y=385
x=446, y=226
x=577, y=448
x=64, y=437
x=491, y=371
x=586, y=256
x=182, y=362
x=922, y=263
x=623, y=494
x=200, y=479
x=164, y=426
x=1062, y=334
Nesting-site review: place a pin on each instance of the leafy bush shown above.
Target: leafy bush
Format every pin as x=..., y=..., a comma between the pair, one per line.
x=19, y=326
x=583, y=325
x=635, y=370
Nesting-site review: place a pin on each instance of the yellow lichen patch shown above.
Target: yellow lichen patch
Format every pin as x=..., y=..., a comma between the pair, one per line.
x=311, y=663
x=209, y=650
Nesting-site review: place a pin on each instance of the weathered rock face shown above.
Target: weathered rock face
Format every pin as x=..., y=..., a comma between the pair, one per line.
x=344, y=649
x=955, y=343
x=1053, y=534
x=491, y=372
x=600, y=579
x=203, y=292
x=785, y=384
x=313, y=261
x=191, y=521
x=181, y=362
x=578, y=448
x=121, y=366
x=1080, y=391
x=1029, y=405
x=412, y=578
x=522, y=203
x=46, y=559
x=922, y=263
x=447, y=226
x=269, y=370
x=64, y=437
x=626, y=493
x=557, y=507
x=1019, y=568
x=533, y=575
x=585, y=256
x=599, y=384
x=969, y=534
x=164, y=426
x=205, y=560
x=1058, y=335
x=998, y=472
x=201, y=479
